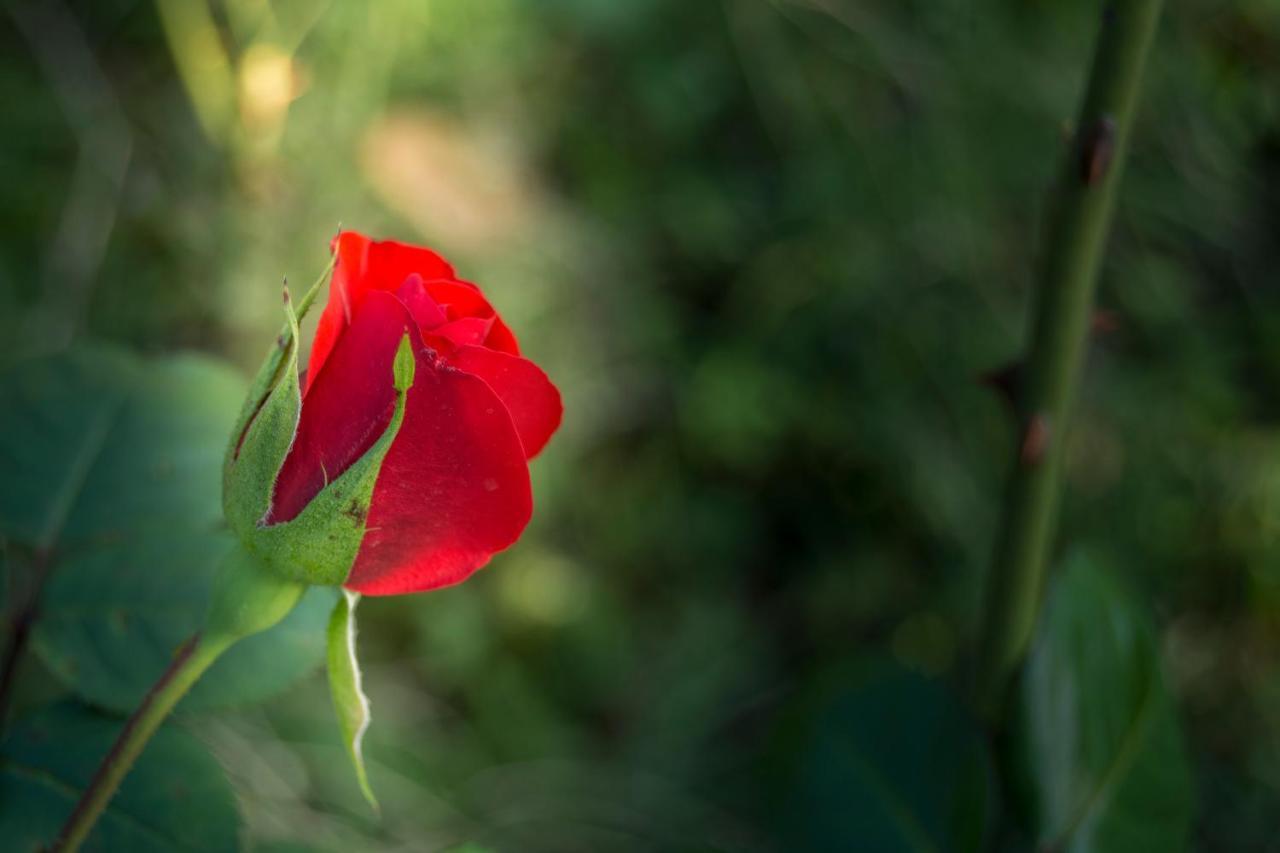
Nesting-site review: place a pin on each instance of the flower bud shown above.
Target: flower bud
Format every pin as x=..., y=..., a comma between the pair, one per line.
x=400, y=463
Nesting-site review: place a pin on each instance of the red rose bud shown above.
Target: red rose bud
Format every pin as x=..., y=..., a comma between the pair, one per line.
x=400, y=463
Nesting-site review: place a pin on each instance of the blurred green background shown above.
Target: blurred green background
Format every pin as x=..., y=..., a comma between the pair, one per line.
x=768, y=249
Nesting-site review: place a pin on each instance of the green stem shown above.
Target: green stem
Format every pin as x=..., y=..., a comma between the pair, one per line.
x=191, y=661
x=247, y=599
x=1067, y=281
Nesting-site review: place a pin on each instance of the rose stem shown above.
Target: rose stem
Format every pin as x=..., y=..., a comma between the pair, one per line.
x=1067, y=280
x=247, y=598
x=189, y=663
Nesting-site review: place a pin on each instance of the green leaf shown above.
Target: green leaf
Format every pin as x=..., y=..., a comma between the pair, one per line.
x=344, y=683
x=112, y=617
x=1098, y=742
x=175, y=798
x=95, y=445
x=111, y=470
x=886, y=760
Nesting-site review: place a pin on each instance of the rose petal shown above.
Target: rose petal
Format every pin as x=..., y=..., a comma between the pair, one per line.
x=462, y=299
x=469, y=331
x=453, y=490
x=459, y=299
x=347, y=408
x=425, y=311
x=534, y=403
x=362, y=266
x=502, y=338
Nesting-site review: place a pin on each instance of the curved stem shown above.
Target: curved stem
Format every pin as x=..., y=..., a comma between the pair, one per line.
x=1067, y=280
x=191, y=661
x=246, y=599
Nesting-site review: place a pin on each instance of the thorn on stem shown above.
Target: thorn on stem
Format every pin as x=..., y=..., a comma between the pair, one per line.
x=1104, y=322
x=1035, y=440
x=1097, y=149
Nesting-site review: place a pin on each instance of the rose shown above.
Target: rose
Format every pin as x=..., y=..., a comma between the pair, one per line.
x=398, y=462
x=401, y=467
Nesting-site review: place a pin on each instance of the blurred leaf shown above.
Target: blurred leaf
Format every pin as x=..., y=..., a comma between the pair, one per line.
x=344, y=683
x=175, y=798
x=94, y=444
x=112, y=468
x=55, y=419
x=112, y=617
x=888, y=762
x=1101, y=749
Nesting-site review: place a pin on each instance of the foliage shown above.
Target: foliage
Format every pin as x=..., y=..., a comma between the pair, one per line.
x=768, y=250
x=1105, y=765
x=111, y=512
x=886, y=761
x=48, y=758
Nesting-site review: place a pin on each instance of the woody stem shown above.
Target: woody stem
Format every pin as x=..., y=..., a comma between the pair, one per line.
x=1077, y=230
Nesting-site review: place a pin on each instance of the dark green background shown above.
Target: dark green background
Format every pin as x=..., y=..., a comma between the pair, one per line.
x=768, y=250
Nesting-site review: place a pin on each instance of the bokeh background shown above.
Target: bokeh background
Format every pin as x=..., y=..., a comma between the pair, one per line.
x=768, y=249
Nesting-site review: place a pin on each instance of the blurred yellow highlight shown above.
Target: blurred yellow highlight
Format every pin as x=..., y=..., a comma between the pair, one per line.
x=269, y=81
x=448, y=180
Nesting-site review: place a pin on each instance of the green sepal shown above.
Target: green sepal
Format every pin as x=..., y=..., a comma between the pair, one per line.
x=349, y=700
x=266, y=425
x=319, y=546
x=248, y=598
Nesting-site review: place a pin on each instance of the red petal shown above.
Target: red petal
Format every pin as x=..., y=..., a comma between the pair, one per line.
x=464, y=299
x=534, y=403
x=347, y=407
x=426, y=313
x=460, y=298
x=469, y=331
x=363, y=266
x=502, y=338
x=454, y=488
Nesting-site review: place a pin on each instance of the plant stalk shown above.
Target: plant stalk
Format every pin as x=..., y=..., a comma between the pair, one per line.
x=247, y=599
x=1077, y=229
x=193, y=658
